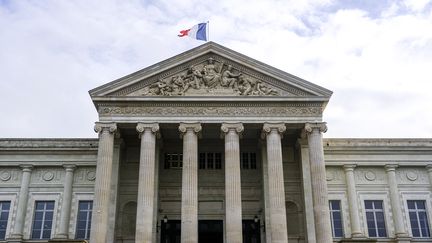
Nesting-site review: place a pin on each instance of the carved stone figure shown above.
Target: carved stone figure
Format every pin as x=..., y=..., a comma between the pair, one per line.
x=230, y=79
x=208, y=78
x=211, y=75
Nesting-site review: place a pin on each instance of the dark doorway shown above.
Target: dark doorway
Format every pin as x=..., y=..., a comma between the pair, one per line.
x=170, y=231
x=251, y=231
x=210, y=231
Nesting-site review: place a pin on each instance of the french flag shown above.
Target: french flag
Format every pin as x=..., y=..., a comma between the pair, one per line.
x=198, y=32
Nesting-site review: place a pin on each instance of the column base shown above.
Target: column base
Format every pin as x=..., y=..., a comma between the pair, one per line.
x=358, y=236
x=403, y=239
x=15, y=239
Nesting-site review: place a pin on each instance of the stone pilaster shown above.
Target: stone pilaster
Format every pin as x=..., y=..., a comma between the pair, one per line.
x=429, y=170
x=104, y=168
x=319, y=182
x=63, y=231
x=233, y=204
x=395, y=201
x=273, y=135
x=146, y=183
x=17, y=233
x=189, y=207
x=356, y=231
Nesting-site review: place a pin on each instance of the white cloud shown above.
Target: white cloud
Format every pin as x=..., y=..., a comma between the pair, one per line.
x=53, y=52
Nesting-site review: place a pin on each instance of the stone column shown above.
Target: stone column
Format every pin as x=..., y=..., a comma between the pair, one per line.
x=266, y=193
x=272, y=132
x=63, y=232
x=356, y=231
x=22, y=203
x=99, y=227
x=146, y=183
x=319, y=182
x=233, y=203
x=189, y=207
x=395, y=201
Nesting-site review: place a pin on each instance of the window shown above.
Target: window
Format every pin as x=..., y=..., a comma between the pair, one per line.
x=336, y=218
x=418, y=218
x=173, y=160
x=42, y=221
x=375, y=218
x=85, y=209
x=210, y=161
x=248, y=161
x=4, y=215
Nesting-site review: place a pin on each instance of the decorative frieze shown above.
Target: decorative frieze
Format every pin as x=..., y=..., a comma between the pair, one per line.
x=370, y=175
x=85, y=175
x=412, y=175
x=210, y=111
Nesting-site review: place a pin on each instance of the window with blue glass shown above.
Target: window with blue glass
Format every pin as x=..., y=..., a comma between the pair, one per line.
x=42, y=220
x=375, y=218
x=418, y=218
x=85, y=209
x=336, y=218
x=4, y=215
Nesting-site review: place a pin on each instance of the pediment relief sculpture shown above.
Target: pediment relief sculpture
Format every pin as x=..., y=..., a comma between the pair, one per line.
x=209, y=78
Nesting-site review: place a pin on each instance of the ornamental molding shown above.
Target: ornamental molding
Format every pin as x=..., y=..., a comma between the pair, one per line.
x=211, y=110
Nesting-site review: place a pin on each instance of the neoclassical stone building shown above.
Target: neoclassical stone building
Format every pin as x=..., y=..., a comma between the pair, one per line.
x=213, y=146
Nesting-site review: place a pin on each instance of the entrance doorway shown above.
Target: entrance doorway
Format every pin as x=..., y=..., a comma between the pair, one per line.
x=170, y=231
x=251, y=231
x=210, y=231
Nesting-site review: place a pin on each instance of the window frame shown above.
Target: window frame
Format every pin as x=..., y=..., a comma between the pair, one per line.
x=341, y=217
x=88, y=220
x=247, y=164
x=8, y=215
x=77, y=197
x=44, y=211
x=40, y=196
x=376, y=195
x=214, y=162
x=420, y=196
x=11, y=197
x=375, y=211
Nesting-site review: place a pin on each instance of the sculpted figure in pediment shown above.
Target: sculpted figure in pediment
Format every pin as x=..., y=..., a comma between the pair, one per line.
x=230, y=79
x=211, y=74
x=202, y=79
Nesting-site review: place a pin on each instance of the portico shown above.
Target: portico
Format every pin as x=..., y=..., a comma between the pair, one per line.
x=201, y=155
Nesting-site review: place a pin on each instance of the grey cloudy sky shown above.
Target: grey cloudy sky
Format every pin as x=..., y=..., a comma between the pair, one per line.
x=375, y=55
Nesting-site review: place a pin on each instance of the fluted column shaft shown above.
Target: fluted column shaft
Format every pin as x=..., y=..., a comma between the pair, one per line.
x=265, y=192
x=189, y=207
x=146, y=183
x=352, y=201
x=63, y=232
x=233, y=204
x=276, y=188
x=395, y=201
x=22, y=202
x=319, y=182
x=99, y=227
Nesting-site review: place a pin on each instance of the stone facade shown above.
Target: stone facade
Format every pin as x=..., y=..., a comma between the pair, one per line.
x=212, y=146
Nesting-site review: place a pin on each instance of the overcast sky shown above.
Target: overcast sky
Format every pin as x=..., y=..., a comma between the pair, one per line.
x=375, y=55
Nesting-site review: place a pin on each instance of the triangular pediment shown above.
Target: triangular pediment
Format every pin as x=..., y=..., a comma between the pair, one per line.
x=210, y=70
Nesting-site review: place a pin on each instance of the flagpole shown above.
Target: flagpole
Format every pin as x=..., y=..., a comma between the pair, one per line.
x=208, y=30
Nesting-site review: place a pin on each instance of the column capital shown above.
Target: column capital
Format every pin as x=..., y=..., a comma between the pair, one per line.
x=26, y=168
x=184, y=127
x=227, y=127
x=316, y=126
x=349, y=167
x=142, y=127
x=269, y=127
x=429, y=168
x=69, y=167
x=110, y=127
x=390, y=167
